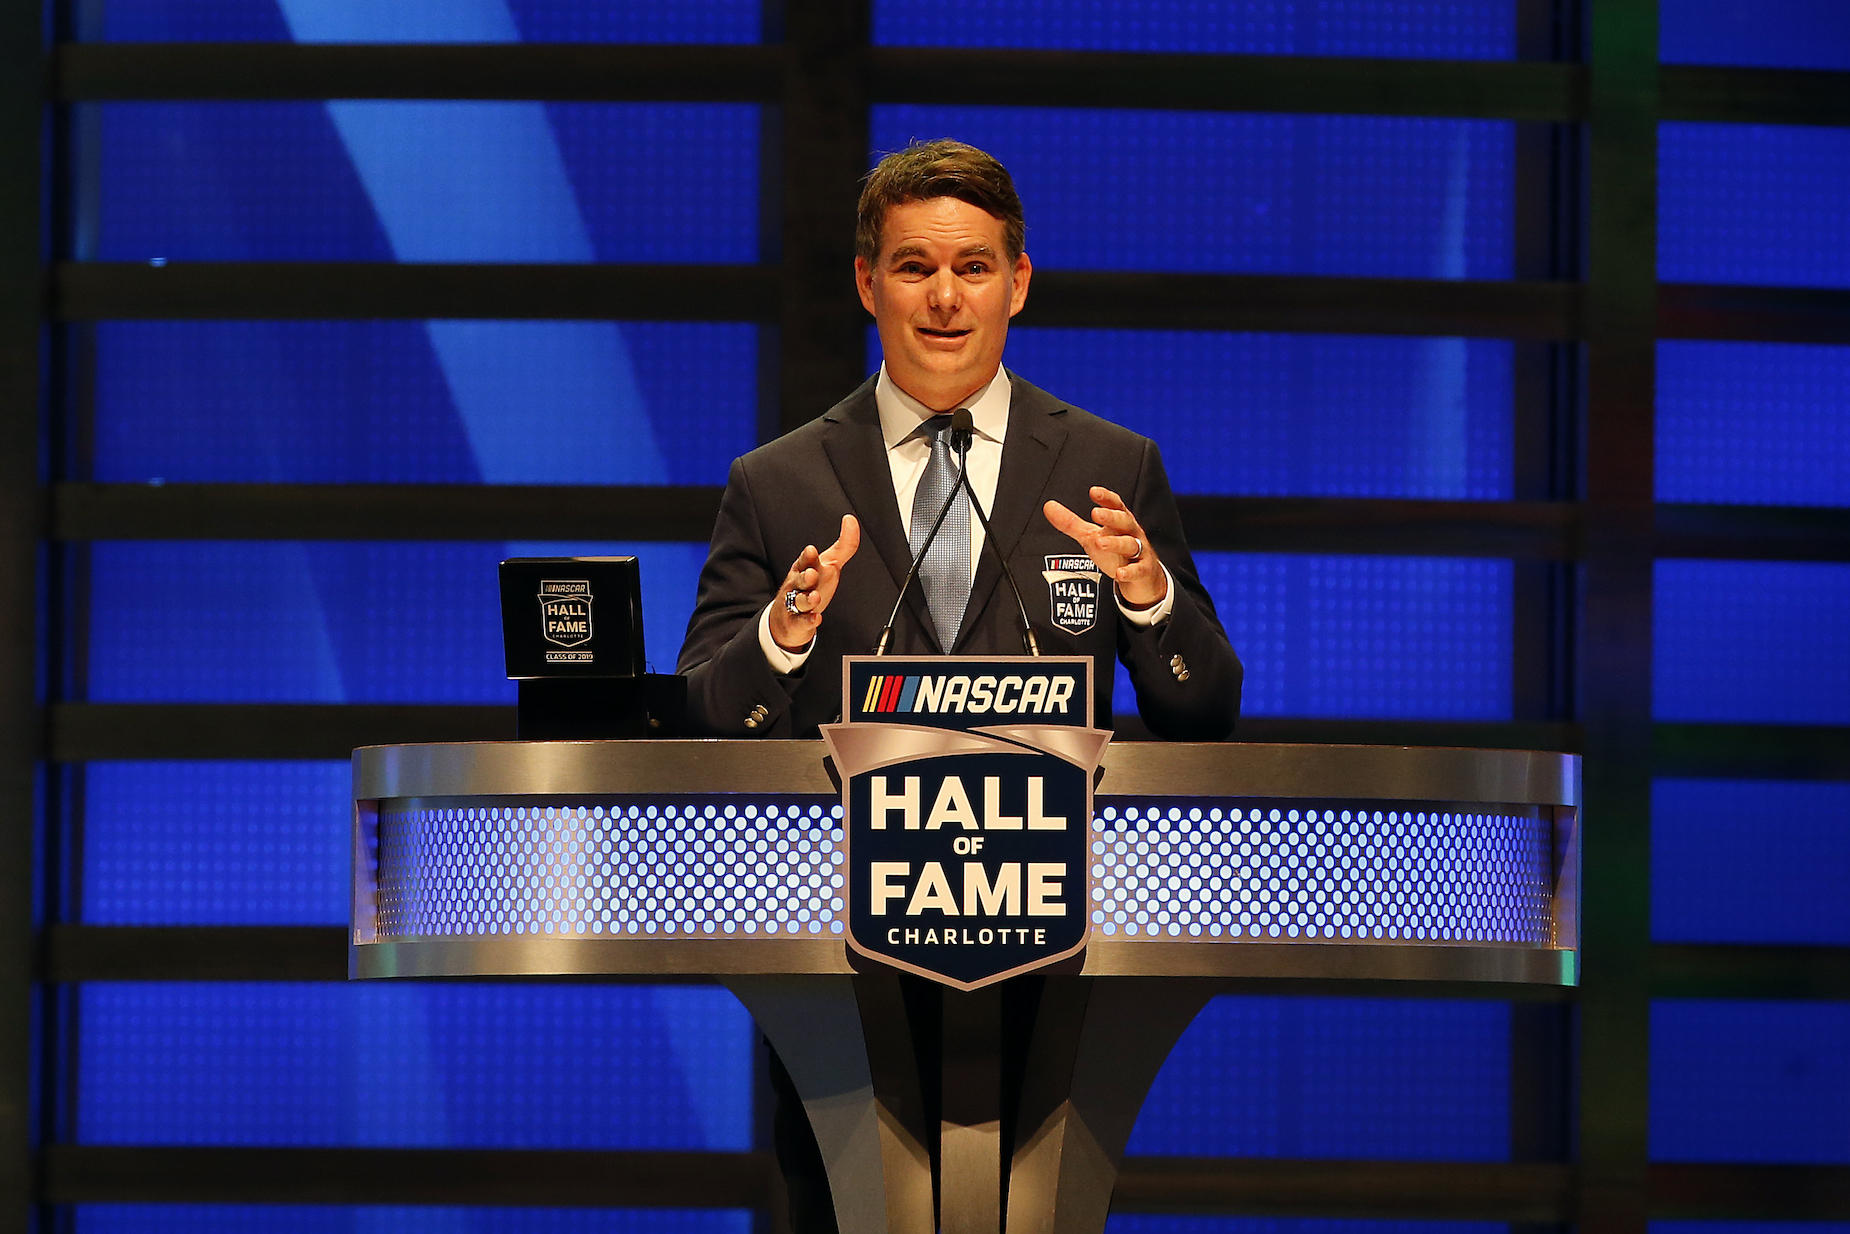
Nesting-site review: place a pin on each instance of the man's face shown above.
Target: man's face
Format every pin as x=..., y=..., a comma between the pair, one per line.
x=942, y=290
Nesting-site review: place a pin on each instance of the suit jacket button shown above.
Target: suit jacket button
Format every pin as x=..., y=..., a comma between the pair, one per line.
x=1175, y=661
x=751, y=721
x=1182, y=674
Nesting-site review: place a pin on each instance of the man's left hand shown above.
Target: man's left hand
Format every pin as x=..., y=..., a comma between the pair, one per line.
x=1117, y=545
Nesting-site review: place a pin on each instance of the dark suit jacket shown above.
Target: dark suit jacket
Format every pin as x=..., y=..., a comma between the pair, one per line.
x=793, y=492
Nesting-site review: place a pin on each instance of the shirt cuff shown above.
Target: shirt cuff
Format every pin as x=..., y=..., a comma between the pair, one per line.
x=781, y=661
x=1155, y=615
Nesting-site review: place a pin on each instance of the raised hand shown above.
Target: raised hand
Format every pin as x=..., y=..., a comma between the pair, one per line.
x=809, y=586
x=1117, y=545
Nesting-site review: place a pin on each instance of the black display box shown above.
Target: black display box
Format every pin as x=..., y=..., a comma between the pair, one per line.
x=572, y=617
x=571, y=630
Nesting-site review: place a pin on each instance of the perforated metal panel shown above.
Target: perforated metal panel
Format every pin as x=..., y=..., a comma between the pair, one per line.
x=1323, y=870
x=772, y=866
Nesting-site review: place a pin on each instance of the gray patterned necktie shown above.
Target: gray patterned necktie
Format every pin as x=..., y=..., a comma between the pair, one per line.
x=945, y=572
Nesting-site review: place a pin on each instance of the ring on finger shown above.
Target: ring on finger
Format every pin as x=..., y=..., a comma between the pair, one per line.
x=1137, y=556
x=790, y=602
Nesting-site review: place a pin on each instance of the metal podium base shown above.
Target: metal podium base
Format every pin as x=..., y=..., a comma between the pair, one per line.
x=1038, y=1083
x=1007, y=1108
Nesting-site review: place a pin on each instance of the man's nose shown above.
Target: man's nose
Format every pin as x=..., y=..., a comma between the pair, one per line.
x=946, y=292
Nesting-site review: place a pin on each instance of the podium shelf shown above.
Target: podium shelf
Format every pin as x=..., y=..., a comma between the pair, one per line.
x=722, y=858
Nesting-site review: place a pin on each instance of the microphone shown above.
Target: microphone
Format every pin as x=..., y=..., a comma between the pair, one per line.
x=918, y=558
x=962, y=426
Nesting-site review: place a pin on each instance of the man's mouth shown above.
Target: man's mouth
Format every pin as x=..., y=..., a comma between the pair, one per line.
x=932, y=332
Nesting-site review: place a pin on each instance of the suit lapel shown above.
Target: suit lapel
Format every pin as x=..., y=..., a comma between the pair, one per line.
x=1029, y=452
x=857, y=452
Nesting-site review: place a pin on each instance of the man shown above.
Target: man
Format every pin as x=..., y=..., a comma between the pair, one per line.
x=940, y=263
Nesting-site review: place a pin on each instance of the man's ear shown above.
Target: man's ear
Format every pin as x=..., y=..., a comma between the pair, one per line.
x=1023, y=272
x=864, y=282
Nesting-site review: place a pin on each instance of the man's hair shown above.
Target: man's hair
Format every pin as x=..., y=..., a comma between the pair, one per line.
x=943, y=168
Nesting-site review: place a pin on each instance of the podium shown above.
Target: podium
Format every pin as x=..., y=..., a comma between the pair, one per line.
x=1214, y=868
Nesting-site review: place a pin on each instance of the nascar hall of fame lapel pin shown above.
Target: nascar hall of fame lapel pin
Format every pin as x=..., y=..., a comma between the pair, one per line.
x=565, y=619
x=1072, y=592
x=967, y=803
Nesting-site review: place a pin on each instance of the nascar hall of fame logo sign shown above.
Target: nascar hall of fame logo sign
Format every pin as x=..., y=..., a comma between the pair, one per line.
x=1072, y=592
x=565, y=619
x=967, y=803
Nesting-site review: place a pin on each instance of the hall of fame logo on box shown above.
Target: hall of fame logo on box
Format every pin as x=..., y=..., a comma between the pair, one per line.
x=565, y=620
x=967, y=807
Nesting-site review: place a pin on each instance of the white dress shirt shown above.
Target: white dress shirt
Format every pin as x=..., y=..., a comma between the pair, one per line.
x=907, y=453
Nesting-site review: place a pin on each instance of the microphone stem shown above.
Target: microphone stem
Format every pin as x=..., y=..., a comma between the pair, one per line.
x=1028, y=641
x=886, y=634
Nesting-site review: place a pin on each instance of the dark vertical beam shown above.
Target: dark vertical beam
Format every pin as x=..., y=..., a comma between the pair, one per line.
x=1549, y=244
x=1615, y=678
x=22, y=91
x=823, y=142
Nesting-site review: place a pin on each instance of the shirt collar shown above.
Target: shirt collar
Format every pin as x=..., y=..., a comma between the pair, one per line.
x=901, y=414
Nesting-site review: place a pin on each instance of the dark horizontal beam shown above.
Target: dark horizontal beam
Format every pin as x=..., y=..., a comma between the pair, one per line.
x=1530, y=529
x=562, y=72
x=77, y=1174
x=1311, y=304
x=69, y=953
x=80, y=732
x=72, y=953
x=1073, y=298
x=1498, y=1191
x=587, y=72
x=1480, y=89
x=1752, y=751
x=1753, y=314
x=1523, y=530
x=1433, y=1190
x=315, y=290
x=381, y=512
x=1008, y=77
x=1721, y=1190
x=1719, y=970
x=193, y=953
x=1753, y=96
x=1754, y=533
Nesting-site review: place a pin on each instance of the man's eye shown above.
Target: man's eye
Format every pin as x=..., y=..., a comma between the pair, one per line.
x=976, y=267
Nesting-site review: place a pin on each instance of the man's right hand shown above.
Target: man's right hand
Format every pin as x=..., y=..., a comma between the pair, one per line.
x=810, y=585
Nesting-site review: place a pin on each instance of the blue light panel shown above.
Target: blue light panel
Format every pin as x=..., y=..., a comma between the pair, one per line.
x=1313, y=1077
x=330, y=621
x=422, y=21
x=1141, y=1223
x=1376, y=637
x=1456, y=29
x=1296, y=415
x=1750, y=861
x=1759, y=642
x=406, y=1219
x=348, y=402
x=371, y=180
x=1200, y=191
x=216, y=843
x=1753, y=423
x=1774, y=34
x=1749, y=1081
x=1753, y=203
x=431, y=1065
